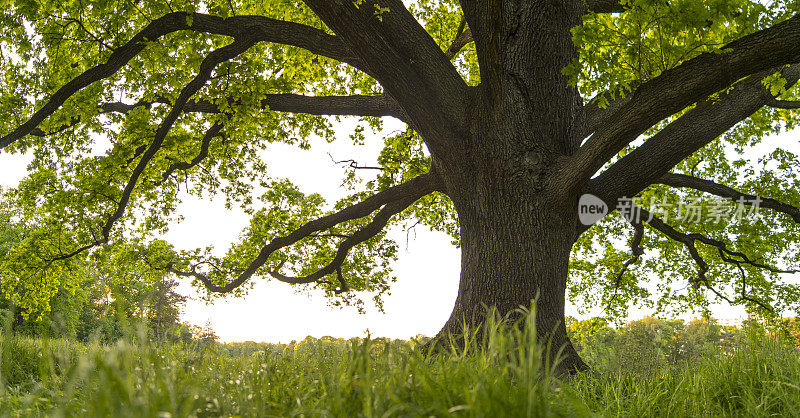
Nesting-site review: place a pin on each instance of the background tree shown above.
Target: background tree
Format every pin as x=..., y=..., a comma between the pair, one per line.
x=104, y=302
x=514, y=110
x=166, y=306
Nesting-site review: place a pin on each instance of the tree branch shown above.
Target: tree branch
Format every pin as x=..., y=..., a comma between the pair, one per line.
x=483, y=19
x=252, y=27
x=392, y=198
x=783, y=104
x=683, y=180
x=373, y=228
x=111, y=107
x=406, y=61
x=354, y=164
x=211, y=133
x=677, y=88
x=215, y=58
x=684, y=136
x=596, y=116
x=208, y=64
x=463, y=37
x=636, y=252
x=729, y=256
x=355, y=105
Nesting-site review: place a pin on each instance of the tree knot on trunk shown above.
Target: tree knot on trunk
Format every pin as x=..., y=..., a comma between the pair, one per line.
x=528, y=170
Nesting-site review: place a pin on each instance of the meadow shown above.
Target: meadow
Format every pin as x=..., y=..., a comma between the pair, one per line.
x=758, y=374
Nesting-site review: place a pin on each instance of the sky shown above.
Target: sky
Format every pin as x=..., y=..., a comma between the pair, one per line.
x=427, y=267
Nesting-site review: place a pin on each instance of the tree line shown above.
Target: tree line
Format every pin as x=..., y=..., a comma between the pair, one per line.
x=109, y=300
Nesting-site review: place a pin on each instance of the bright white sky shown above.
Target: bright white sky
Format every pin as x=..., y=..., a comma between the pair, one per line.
x=427, y=269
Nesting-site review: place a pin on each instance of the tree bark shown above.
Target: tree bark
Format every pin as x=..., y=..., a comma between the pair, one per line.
x=517, y=217
x=515, y=247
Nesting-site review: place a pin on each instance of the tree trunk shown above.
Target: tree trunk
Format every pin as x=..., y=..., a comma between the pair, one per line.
x=517, y=218
x=515, y=247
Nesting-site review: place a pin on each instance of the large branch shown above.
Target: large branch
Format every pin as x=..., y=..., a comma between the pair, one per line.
x=208, y=64
x=783, y=104
x=595, y=116
x=393, y=200
x=252, y=27
x=407, y=63
x=699, y=126
x=677, y=88
x=708, y=186
x=377, y=106
x=483, y=19
x=111, y=107
x=215, y=58
x=462, y=39
x=356, y=105
x=372, y=229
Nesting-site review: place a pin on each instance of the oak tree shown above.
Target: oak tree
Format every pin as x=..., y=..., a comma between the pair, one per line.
x=515, y=110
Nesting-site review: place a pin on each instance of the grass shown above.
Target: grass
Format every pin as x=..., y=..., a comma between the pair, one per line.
x=504, y=377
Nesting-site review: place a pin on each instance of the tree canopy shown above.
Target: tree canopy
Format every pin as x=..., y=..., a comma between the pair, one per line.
x=126, y=105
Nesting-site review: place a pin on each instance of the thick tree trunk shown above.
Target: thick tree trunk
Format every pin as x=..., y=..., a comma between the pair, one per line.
x=517, y=217
x=515, y=251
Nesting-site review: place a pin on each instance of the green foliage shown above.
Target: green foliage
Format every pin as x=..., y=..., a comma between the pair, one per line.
x=618, y=53
x=652, y=346
x=105, y=311
x=621, y=51
x=78, y=172
x=91, y=298
x=65, y=318
x=663, y=278
x=76, y=180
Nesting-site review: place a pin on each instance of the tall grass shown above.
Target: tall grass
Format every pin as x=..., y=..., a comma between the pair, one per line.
x=501, y=375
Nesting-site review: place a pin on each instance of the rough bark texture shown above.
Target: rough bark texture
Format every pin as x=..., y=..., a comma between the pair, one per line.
x=517, y=220
x=515, y=250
